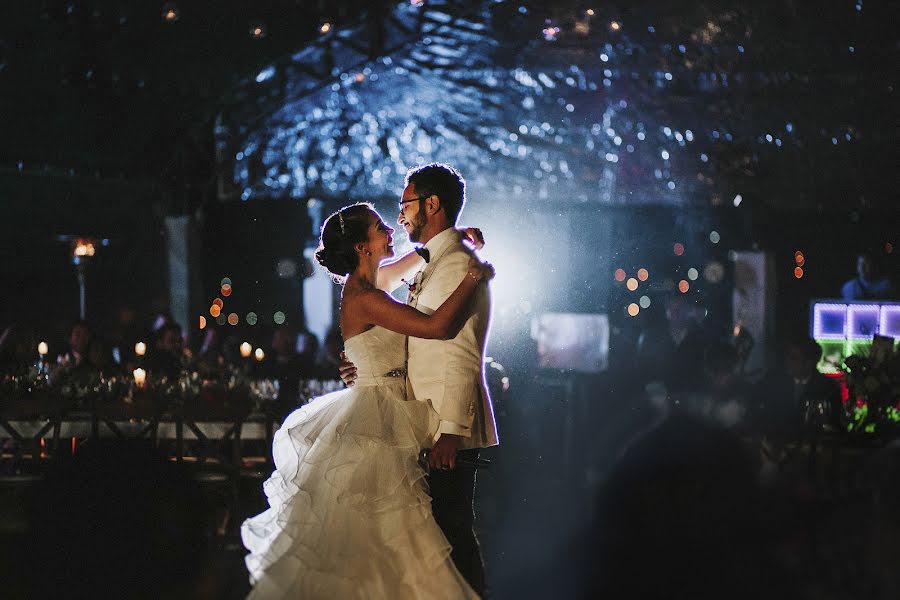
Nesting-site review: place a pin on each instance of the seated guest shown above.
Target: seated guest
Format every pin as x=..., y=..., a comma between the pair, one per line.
x=100, y=358
x=795, y=397
x=79, y=340
x=167, y=356
x=869, y=283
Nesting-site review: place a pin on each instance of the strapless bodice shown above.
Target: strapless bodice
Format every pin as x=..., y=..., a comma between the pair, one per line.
x=379, y=355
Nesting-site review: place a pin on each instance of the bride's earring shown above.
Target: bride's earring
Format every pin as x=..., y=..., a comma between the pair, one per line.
x=368, y=253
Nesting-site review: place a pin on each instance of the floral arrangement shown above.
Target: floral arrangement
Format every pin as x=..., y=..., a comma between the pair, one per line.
x=873, y=382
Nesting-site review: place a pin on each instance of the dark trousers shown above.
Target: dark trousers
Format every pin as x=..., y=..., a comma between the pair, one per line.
x=453, y=495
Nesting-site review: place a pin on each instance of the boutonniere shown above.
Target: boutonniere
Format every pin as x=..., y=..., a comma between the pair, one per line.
x=414, y=284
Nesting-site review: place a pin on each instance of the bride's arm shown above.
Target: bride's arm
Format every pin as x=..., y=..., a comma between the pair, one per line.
x=379, y=308
x=392, y=274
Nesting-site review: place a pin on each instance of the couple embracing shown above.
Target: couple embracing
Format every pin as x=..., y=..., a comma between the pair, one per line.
x=351, y=513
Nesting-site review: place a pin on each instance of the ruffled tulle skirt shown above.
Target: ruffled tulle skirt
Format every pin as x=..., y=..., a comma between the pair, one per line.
x=350, y=515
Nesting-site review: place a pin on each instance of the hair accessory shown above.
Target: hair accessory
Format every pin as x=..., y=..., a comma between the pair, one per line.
x=341, y=219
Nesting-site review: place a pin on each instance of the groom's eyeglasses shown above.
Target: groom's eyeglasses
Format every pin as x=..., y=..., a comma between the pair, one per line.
x=403, y=203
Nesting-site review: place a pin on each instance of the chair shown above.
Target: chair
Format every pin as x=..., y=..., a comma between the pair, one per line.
x=38, y=408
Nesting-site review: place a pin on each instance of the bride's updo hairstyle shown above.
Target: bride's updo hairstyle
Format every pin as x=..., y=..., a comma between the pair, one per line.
x=340, y=233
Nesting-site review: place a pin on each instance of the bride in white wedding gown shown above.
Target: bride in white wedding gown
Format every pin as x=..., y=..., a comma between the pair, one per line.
x=349, y=513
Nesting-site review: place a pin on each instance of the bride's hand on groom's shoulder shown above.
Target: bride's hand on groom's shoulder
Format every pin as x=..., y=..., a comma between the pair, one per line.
x=481, y=271
x=474, y=236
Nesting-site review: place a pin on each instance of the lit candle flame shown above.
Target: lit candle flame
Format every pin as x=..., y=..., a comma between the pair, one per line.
x=43, y=349
x=140, y=377
x=259, y=354
x=140, y=348
x=246, y=349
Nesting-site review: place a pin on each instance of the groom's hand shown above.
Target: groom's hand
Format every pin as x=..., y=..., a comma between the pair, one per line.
x=443, y=453
x=348, y=371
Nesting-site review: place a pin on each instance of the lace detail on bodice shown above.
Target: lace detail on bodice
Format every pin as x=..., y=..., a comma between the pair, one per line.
x=379, y=355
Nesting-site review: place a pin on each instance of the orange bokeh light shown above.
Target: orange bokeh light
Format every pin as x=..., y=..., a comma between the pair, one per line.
x=218, y=302
x=631, y=284
x=226, y=290
x=233, y=319
x=678, y=249
x=633, y=309
x=215, y=310
x=798, y=272
x=202, y=322
x=620, y=275
x=683, y=286
x=643, y=274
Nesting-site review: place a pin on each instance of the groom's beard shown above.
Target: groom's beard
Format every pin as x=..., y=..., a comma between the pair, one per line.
x=417, y=225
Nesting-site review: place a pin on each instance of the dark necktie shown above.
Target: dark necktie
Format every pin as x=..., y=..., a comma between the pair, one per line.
x=423, y=252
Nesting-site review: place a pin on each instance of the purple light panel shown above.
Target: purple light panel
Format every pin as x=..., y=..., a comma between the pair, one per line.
x=890, y=321
x=862, y=321
x=829, y=321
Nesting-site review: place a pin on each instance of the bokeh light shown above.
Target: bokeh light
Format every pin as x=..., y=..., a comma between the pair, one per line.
x=799, y=258
x=233, y=319
x=631, y=284
x=798, y=272
x=221, y=320
x=714, y=237
x=683, y=286
x=633, y=309
x=279, y=318
x=259, y=354
x=226, y=290
x=620, y=275
x=252, y=318
x=218, y=302
x=693, y=274
x=215, y=310
x=888, y=248
x=678, y=249
x=644, y=301
x=643, y=274
x=714, y=272
x=225, y=281
x=202, y=322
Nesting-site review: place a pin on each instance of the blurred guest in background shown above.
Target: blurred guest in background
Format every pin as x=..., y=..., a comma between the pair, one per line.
x=329, y=363
x=869, y=283
x=18, y=349
x=794, y=396
x=287, y=366
x=671, y=350
x=722, y=395
x=167, y=356
x=79, y=341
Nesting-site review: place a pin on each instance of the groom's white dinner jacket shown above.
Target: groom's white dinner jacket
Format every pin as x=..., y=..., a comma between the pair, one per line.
x=449, y=373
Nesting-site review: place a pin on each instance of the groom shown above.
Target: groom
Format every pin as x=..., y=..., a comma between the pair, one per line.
x=448, y=372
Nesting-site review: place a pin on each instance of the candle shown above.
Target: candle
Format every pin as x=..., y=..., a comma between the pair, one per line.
x=42, y=349
x=140, y=348
x=140, y=376
x=246, y=349
x=259, y=354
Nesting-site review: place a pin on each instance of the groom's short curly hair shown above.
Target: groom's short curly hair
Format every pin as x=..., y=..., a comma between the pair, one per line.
x=443, y=181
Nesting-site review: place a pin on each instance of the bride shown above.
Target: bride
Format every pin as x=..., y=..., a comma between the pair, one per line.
x=349, y=513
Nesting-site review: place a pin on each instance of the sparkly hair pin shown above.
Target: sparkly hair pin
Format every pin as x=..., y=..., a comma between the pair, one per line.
x=341, y=219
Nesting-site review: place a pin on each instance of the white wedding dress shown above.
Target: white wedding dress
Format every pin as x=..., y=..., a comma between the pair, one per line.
x=350, y=515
